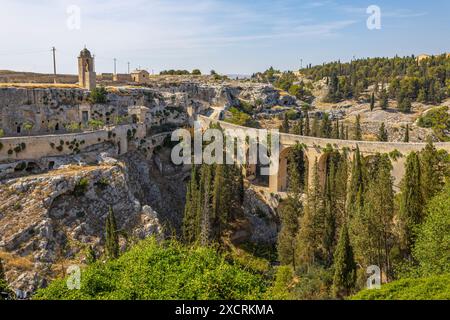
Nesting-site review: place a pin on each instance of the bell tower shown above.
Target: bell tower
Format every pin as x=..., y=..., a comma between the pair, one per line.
x=86, y=70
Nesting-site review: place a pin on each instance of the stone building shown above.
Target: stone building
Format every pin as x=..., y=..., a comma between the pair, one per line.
x=122, y=77
x=86, y=70
x=140, y=76
x=106, y=76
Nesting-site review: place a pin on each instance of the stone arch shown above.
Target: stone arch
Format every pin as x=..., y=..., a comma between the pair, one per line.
x=280, y=181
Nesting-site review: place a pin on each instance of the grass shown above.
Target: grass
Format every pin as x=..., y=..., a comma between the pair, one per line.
x=432, y=288
x=16, y=262
x=38, y=85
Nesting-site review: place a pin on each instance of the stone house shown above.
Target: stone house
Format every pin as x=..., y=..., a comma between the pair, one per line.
x=140, y=76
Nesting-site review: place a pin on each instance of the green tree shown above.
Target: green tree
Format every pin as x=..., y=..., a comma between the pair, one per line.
x=372, y=101
x=308, y=240
x=91, y=256
x=325, y=127
x=382, y=133
x=358, y=130
x=344, y=279
x=384, y=100
x=432, y=171
x=285, y=126
x=196, y=72
x=375, y=233
x=315, y=127
x=307, y=130
x=290, y=213
x=112, y=236
x=406, y=138
x=411, y=203
x=356, y=189
x=99, y=95
x=432, y=249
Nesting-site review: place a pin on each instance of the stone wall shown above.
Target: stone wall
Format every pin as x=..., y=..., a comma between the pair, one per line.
x=26, y=148
x=314, y=149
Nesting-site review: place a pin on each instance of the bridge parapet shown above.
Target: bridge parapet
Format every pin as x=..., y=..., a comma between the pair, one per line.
x=314, y=151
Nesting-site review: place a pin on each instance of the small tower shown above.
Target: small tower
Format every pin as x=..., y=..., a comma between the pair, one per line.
x=86, y=70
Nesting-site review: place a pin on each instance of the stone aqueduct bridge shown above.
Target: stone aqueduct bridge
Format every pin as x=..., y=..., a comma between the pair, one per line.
x=314, y=151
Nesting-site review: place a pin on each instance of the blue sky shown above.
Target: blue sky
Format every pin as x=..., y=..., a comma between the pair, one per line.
x=229, y=36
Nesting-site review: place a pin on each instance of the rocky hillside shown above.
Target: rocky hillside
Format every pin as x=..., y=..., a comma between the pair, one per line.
x=53, y=218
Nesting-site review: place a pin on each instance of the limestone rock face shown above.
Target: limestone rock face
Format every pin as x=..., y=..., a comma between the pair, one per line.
x=51, y=219
x=263, y=225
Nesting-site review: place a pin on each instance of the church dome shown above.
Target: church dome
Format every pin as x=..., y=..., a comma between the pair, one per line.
x=85, y=53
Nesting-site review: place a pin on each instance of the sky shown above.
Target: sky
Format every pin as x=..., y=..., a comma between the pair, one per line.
x=229, y=36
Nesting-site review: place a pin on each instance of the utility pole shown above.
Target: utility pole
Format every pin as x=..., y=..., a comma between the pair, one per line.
x=128, y=68
x=115, y=66
x=301, y=63
x=54, y=63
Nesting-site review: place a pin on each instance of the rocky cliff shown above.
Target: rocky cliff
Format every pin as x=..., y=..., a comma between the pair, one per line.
x=51, y=219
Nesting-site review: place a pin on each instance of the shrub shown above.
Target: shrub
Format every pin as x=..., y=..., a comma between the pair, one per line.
x=81, y=187
x=439, y=120
x=432, y=249
x=98, y=95
x=167, y=271
x=432, y=288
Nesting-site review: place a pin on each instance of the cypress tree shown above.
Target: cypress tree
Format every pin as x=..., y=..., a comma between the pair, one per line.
x=406, y=139
x=91, y=256
x=315, y=127
x=308, y=241
x=329, y=218
x=376, y=227
x=358, y=130
x=290, y=214
x=344, y=279
x=382, y=133
x=190, y=211
x=112, y=236
x=285, y=126
x=411, y=202
x=384, y=102
x=205, y=205
x=325, y=128
x=372, y=101
x=342, y=132
x=356, y=186
x=432, y=171
x=307, y=129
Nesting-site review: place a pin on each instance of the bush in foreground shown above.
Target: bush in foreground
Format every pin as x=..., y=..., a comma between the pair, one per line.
x=168, y=271
x=432, y=288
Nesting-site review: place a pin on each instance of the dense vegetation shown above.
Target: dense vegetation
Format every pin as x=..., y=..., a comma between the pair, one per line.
x=288, y=82
x=404, y=79
x=156, y=271
x=214, y=197
x=180, y=72
x=431, y=288
x=439, y=120
x=353, y=220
